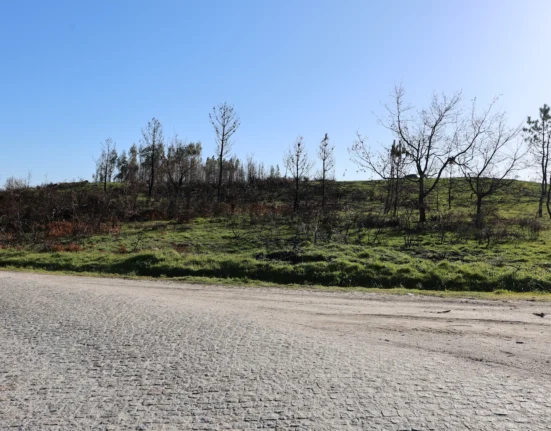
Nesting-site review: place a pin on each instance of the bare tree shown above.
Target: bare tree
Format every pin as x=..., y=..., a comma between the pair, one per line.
x=297, y=163
x=491, y=161
x=274, y=172
x=13, y=183
x=390, y=164
x=430, y=138
x=538, y=136
x=152, y=151
x=225, y=121
x=107, y=162
x=327, y=157
x=252, y=170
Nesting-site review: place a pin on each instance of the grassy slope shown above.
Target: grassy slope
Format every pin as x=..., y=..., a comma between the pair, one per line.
x=210, y=248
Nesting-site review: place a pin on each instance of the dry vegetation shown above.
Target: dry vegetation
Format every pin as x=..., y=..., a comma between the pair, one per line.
x=81, y=228
x=445, y=215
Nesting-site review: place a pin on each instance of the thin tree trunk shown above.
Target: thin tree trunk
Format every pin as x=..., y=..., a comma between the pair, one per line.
x=479, y=216
x=296, y=205
x=323, y=192
x=396, y=196
x=542, y=197
x=220, y=167
x=422, y=209
x=105, y=179
x=548, y=201
x=323, y=173
x=388, y=198
x=152, y=175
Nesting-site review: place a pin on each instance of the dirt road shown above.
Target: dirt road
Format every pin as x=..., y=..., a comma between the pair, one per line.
x=87, y=353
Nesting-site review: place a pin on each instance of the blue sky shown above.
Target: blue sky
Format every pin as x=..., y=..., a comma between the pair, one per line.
x=73, y=73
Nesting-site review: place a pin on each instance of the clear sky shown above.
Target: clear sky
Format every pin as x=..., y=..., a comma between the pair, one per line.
x=73, y=73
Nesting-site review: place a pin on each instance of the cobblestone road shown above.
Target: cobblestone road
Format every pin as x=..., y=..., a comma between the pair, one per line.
x=83, y=353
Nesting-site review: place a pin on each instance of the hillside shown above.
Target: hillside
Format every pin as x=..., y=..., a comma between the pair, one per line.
x=255, y=236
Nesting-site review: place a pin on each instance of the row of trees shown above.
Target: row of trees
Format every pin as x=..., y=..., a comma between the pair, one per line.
x=476, y=144
x=178, y=167
x=158, y=178
x=444, y=139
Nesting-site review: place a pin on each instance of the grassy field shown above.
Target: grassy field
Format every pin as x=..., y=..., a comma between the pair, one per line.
x=245, y=249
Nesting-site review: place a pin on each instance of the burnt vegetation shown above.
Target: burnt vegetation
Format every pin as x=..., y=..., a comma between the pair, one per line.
x=445, y=193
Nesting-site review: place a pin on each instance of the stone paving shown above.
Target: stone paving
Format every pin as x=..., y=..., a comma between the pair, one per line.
x=104, y=357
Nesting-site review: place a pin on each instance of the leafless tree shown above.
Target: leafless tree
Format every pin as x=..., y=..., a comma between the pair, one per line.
x=13, y=183
x=326, y=154
x=152, y=151
x=491, y=161
x=107, y=162
x=430, y=138
x=252, y=169
x=225, y=121
x=297, y=163
x=390, y=164
x=538, y=136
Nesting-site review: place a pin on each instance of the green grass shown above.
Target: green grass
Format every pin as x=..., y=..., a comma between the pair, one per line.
x=242, y=252
x=498, y=295
x=207, y=248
